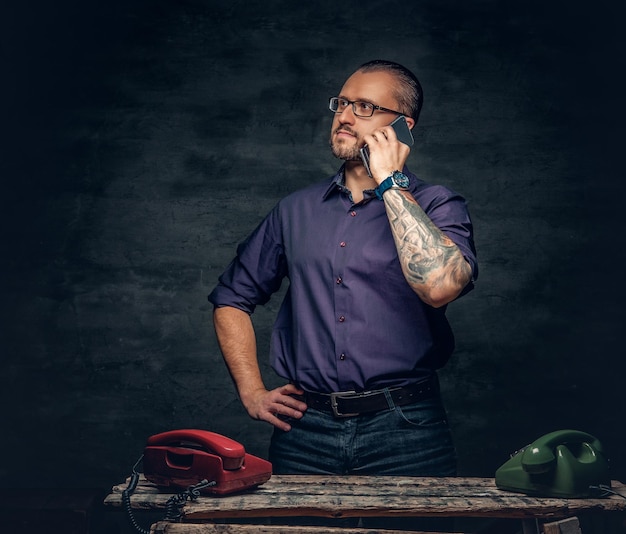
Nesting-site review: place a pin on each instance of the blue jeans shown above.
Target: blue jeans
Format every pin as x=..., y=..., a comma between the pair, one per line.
x=410, y=440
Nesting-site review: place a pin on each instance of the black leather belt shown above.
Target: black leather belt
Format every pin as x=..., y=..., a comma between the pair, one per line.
x=352, y=403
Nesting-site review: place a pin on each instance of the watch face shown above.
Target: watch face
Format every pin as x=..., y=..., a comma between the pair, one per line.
x=400, y=179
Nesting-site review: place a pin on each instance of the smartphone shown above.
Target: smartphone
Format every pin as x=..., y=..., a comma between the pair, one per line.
x=403, y=133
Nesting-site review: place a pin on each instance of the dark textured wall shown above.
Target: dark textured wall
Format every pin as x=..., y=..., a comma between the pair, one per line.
x=144, y=140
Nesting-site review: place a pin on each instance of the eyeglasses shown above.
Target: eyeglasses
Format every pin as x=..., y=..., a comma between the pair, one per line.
x=360, y=109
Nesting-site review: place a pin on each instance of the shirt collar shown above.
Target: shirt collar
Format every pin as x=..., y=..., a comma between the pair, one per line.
x=338, y=185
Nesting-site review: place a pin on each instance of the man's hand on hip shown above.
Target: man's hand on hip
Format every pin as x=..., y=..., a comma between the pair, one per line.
x=276, y=405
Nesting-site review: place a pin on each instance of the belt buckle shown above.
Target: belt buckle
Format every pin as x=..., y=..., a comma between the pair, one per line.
x=341, y=395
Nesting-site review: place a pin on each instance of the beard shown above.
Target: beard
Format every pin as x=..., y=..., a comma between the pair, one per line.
x=341, y=150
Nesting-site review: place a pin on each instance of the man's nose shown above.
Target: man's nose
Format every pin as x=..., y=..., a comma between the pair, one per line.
x=347, y=116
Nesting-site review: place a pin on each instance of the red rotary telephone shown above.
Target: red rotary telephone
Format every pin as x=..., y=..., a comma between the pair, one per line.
x=182, y=458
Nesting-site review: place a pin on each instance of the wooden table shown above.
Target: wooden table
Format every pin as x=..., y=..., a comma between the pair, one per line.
x=366, y=496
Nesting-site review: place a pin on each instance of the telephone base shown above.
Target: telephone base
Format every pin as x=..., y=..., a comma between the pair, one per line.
x=564, y=464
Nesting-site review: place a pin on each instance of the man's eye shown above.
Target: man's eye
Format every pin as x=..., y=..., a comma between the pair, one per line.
x=365, y=106
x=343, y=103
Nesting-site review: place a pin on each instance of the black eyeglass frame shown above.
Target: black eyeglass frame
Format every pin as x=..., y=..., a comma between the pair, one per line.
x=354, y=103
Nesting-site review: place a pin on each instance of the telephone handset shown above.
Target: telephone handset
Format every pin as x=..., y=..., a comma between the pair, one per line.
x=403, y=133
x=565, y=463
x=231, y=452
x=181, y=458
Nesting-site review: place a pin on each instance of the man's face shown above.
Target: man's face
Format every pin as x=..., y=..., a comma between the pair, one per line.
x=346, y=137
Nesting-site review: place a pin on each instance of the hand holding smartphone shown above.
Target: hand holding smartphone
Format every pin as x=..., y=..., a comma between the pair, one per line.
x=403, y=133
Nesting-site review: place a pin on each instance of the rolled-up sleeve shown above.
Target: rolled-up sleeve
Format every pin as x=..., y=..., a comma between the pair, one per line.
x=448, y=211
x=257, y=270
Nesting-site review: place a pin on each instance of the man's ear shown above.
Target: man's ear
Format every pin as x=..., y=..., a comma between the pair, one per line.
x=410, y=122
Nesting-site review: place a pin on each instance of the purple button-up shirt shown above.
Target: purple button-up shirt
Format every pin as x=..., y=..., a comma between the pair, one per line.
x=349, y=320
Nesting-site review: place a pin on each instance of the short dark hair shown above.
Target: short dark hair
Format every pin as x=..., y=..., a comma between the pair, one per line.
x=409, y=95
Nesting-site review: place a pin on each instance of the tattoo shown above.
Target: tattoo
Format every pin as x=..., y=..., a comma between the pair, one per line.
x=428, y=257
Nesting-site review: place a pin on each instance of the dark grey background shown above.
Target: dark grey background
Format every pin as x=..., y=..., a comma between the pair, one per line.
x=144, y=140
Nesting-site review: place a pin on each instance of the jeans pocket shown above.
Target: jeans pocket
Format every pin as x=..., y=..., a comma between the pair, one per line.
x=427, y=414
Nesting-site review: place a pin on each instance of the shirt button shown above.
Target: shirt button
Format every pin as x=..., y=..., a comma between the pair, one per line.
x=342, y=356
x=353, y=213
x=342, y=244
x=342, y=318
x=339, y=280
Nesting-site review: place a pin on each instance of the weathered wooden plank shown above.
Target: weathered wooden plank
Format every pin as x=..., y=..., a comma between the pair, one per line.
x=339, y=506
x=409, y=486
x=204, y=528
x=570, y=525
x=333, y=496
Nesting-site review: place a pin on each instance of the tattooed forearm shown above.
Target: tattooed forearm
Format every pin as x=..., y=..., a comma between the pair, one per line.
x=432, y=264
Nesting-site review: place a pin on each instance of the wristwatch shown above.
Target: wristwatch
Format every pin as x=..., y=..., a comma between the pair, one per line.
x=396, y=180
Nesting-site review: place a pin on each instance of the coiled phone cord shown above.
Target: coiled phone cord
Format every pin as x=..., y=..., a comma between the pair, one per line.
x=604, y=491
x=130, y=489
x=173, y=506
